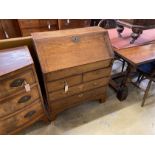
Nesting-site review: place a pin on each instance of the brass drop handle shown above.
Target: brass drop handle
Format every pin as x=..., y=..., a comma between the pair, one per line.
x=24, y=99
x=66, y=87
x=6, y=34
x=17, y=83
x=48, y=25
x=30, y=114
x=68, y=21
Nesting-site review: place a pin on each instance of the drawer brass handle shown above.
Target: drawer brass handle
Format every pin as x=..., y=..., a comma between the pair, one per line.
x=80, y=95
x=75, y=39
x=17, y=83
x=24, y=99
x=30, y=114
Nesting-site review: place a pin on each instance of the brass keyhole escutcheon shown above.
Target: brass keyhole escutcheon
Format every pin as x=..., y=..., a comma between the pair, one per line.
x=75, y=39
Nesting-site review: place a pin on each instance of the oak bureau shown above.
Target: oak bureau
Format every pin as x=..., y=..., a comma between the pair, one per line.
x=21, y=102
x=76, y=66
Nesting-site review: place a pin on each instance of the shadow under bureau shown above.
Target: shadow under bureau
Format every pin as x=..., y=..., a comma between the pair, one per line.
x=76, y=66
x=21, y=102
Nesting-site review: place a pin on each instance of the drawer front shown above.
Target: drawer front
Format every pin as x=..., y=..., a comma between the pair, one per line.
x=60, y=84
x=61, y=105
x=36, y=23
x=78, y=70
x=73, y=23
x=21, y=118
x=19, y=101
x=28, y=31
x=78, y=89
x=16, y=82
x=97, y=74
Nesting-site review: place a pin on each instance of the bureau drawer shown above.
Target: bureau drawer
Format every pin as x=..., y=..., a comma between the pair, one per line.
x=19, y=119
x=36, y=23
x=96, y=74
x=78, y=70
x=19, y=101
x=60, y=84
x=16, y=82
x=61, y=105
x=78, y=89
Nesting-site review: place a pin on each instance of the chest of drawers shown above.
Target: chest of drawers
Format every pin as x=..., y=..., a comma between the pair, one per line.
x=28, y=26
x=76, y=66
x=21, y=102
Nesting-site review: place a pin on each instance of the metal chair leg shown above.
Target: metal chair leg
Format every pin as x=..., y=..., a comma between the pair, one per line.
x=146, y=93
x=123, y=65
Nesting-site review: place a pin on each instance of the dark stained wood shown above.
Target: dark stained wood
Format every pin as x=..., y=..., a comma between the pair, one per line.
x=68, y=59
x=28, y=26
x=2, y=34
x=73, y=23
x=11, y=28
x=138, y=55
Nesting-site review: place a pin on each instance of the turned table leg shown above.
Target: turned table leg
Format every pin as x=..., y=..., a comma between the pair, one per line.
x=136, y=33
x=120, y=29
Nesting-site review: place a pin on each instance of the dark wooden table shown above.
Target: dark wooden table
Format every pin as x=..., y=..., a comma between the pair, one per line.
x=134, y=57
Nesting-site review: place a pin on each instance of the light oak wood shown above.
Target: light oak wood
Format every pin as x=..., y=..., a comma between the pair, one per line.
x=84, y=53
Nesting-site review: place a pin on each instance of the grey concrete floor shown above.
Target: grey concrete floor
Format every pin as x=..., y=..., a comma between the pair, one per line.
x=111, y=117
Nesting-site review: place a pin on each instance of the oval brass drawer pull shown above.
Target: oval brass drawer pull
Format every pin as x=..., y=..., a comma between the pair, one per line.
x=24, y=99
x=30, y=114
x=17, y=83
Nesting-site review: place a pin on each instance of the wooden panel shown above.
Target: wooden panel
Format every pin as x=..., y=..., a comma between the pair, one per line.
x=11, y=28
x=5, y=84
x=73, y=23
x=2, y=34
x=61, y=105
x=78, y=89
x=20, y=100
x=77, y=70
x=96, y=74
x=76, y=53
x=59, y=84
x=36, y=23
x=27, y=32
x=7, y=125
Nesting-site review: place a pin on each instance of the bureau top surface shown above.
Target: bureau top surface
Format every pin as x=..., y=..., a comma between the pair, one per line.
x=58, y=50
x=13, y=59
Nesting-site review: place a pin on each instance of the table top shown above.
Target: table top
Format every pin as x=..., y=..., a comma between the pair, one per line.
x=138, y=55
x=13, y=59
